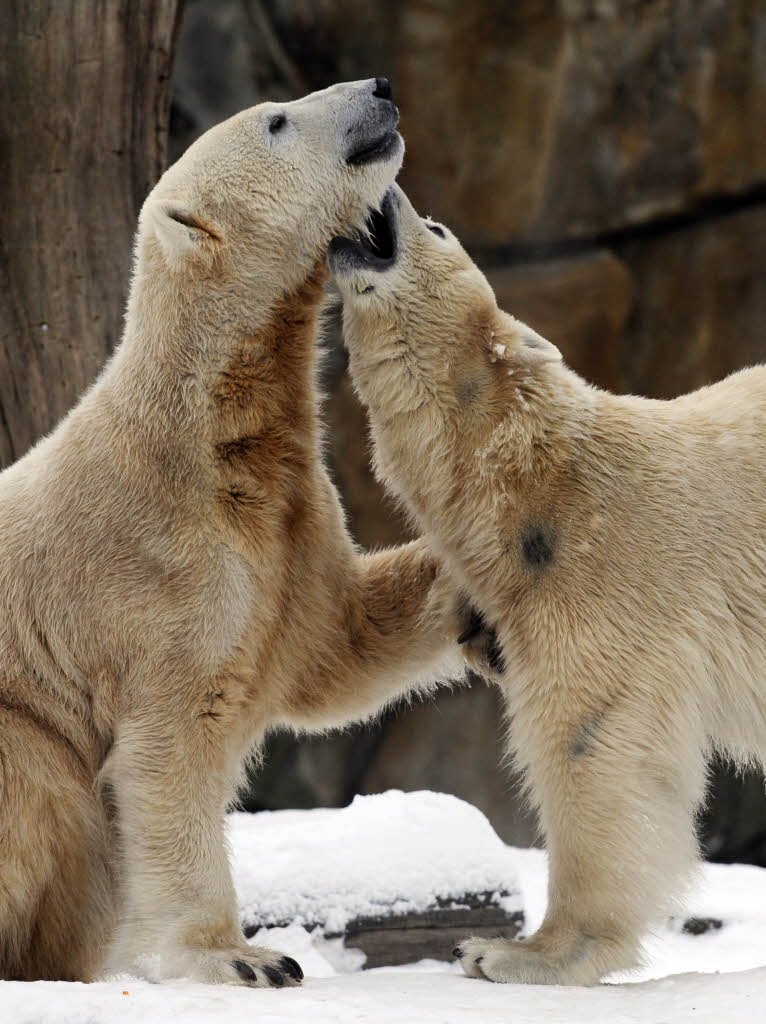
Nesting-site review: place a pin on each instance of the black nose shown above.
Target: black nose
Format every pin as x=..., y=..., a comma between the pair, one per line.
x=382, y=89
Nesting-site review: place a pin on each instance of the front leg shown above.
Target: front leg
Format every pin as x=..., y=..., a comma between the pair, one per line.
x=617, y=791
x=392, y=627
x=171, y=775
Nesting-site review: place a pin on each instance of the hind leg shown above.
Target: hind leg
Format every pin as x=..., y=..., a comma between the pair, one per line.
x=617, y=794
x=55, y=893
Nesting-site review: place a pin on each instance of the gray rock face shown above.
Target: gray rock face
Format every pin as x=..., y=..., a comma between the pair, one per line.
x=573, y=118
x=701, y=304
x=582, y=304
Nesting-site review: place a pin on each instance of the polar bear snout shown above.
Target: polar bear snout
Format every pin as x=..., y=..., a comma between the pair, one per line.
x=373, y=136
x=382, y=89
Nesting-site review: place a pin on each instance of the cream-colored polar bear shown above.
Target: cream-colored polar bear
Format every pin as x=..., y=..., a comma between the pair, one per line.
x=619, y=544
x=175, y=574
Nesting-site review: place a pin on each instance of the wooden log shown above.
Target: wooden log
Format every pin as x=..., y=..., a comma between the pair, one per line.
x=392, y=939
x=403, y=939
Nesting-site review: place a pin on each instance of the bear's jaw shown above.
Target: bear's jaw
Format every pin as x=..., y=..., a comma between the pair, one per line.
x=379, y=149
x=374, y=249
x=373, y=137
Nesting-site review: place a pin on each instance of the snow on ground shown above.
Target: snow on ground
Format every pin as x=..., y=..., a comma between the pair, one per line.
x=409, y=844
x=392, y=997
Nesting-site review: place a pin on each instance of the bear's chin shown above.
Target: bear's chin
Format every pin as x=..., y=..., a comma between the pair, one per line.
x=380, y=149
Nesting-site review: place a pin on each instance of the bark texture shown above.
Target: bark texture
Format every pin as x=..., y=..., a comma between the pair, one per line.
x=83, y=137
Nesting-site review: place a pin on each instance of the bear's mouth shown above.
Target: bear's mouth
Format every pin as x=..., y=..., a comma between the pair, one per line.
x=381, y=240
x=373, y=249
x=379, y=149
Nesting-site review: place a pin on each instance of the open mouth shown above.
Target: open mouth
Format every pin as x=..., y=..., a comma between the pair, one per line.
x=378, y=149
x=374, y=249
x=381, y=240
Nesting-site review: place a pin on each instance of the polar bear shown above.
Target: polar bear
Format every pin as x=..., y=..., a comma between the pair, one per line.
x=176, y=576
x=619, y=545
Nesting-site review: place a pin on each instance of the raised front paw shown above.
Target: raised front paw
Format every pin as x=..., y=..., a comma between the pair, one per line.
x=480, y=643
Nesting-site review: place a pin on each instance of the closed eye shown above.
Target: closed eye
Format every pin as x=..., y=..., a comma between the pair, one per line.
x=277, y=123
x=436, y=230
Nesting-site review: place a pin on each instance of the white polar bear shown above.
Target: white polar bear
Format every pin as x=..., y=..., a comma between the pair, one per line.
x=175, y=573
x=619, y=546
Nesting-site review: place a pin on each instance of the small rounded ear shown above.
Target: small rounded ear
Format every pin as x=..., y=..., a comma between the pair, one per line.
x=181, y=233
x=532, y=347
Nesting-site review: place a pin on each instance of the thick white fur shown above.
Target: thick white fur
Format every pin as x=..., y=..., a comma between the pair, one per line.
x=175, y=573
x=619, y=546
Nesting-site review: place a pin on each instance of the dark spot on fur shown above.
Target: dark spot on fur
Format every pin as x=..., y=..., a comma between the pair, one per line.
x=582, y=949
x=241, y=449
x=585, y=734
x=239, y=503
x=537, y=547
x=468, y=390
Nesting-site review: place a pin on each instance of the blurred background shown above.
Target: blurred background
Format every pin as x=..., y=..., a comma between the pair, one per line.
x=603, y=160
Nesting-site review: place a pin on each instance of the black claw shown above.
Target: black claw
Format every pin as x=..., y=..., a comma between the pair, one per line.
x=274, y=976
x=458, y=953
x=495, y=655
x=474, y=627
x=291, y=967
x=244, y=970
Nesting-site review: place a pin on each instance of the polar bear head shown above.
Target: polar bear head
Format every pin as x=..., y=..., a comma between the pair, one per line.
x=421, y=322
x=253, y=203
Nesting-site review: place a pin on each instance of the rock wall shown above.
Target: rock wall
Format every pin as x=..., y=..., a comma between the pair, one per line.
x=605, y=161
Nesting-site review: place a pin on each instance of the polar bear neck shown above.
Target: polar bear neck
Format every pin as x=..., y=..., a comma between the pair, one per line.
x=190, y=382
x=267, y=387
x=459, y=474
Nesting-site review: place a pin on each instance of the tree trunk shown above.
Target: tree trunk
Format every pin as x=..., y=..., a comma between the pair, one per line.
x=85, y=87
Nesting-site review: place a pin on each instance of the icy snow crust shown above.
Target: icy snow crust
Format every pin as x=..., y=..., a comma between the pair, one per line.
x=393, y=853
x=387, y=997
x=337, y=992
